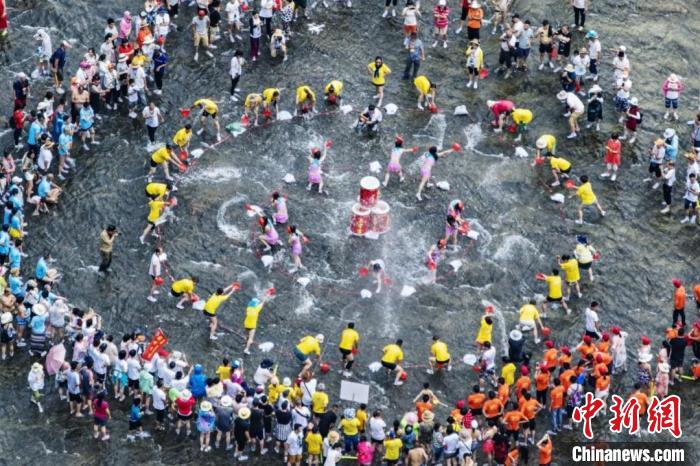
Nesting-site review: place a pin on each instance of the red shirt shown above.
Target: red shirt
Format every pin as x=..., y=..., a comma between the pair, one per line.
x=614, y=146
x=18, y=116
x=502, y=106
x=100, y=409
x=184, y=407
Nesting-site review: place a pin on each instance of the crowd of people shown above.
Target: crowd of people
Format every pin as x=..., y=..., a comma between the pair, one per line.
x=508, y=414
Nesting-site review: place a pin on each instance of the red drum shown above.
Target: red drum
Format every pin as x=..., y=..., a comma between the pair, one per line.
x=369, y=191
x=360, y=221
x=380, y=217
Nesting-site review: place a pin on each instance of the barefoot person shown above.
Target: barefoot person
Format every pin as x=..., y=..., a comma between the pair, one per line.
x=587, y=197
x=394, y=165
x=212, y=305
x=392, y=359
x=426, y=169
x=250, y=324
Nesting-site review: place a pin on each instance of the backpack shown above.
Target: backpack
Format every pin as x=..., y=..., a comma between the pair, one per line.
x=641, y=117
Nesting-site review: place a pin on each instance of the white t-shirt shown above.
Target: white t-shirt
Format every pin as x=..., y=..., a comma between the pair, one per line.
x=158, y=398
x=133, y=367
x=594, y=49
x=139, y=77
x=152, y=118
x=45, y=158
x=579, y=3
x=301, y=416
x=100, y=363
x=451, y=442
x=235, y=69
x=332, y=457
x=691, y=196
x=580, y=64
x=591, y=319
x=410, y=17
x=376, y=428
x=307, y=391
x=294, y=444
x=201, y=25
x=670, y=177
x=489, y=358
x=574, y=103
x=162, y=24
x=233, y=11
x=156, y=261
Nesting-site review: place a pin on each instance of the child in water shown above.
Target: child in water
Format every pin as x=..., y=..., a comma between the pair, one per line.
x=429, y=159
x=279, y=202
x=269, y=237
x=395, y=160
x=433, y=258
x=295, y=239
x=315, y=172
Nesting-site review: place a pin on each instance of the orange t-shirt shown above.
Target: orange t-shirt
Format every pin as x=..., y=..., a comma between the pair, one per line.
x=513, y=419
x=679, y=298
x=597, y=369
x=422, y=407
x=603, y=346
x=542, y=381
x=503, y=393
x=550, y=357
x=602, y=382
x=564, y=378
x=643, y=401
x=557, y=397
x=512, y=457
x=696, y=371
x=580, y=370
x=671, y=333
x=564, y=358
x=523, y=383
x=476, y=400
x=529, y=408
x=492, y=408
x=585, y=349
x=696, y=292
x=546, y=453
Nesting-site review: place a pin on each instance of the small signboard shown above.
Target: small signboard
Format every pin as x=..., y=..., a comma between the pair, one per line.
x=355, y=392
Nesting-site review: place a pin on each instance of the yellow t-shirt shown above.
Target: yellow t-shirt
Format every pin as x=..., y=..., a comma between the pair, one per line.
x=313, y=443
x=570, y=268
x=224, y=372
x=251, y=316
x=508, y=373
x=586, y=194
x=350, y=426
x=422, y=84
x=319, y=402
x=183, y=286
x=551, y=142
x=156, y=207
x=378, y=76
x=139, y=60
x=253, y=100
x=156, y=189
x=554, y=286
x=392, y=354
x=529, y=313
x=268, y=94
x=439, y=351
x=559, y=163
x=182, y=137
x=309, y=345
x=209, y=105
x=521, y=116
x=361, y=416
x=304, y=92
x=161, y=155
x=485, y=331
x=392, y=449
x=213, y=303
x=337, y=87
x=348, y=338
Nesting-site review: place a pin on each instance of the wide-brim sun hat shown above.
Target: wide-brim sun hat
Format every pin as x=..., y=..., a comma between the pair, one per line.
x=595, y=89
x=669, y=133
x=205, y=406
x=569, y=68
x=39, y=309
x=185, y=394
x=516, y=335
x=244, y=413
x=226, y=401
x=634, y=101
x=561, y=95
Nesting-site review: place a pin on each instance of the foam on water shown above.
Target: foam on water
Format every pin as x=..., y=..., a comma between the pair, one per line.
x=230, y=230
x=213, y=175
x=513, y=247
x=206, y=264
x=474, y=135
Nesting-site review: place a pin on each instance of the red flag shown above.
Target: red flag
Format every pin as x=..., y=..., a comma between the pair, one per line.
x=157, y=342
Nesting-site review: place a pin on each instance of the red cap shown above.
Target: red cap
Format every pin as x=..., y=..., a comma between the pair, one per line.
x=460, y=404
x=524, y=370
x=565, y=350
x=586, y=338
x=549, y=344
x=606, y=336
x=603, y=370
x=598, y=358
x=615, y=330
x=488, y=309
x=676, y=283
x=398, y=139
x=645, y=340
x=201, y=13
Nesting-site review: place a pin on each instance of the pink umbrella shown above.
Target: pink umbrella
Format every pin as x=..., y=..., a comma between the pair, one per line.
x=55, y=358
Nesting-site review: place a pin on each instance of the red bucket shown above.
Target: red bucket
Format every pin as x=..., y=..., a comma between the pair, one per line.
x=185, y=112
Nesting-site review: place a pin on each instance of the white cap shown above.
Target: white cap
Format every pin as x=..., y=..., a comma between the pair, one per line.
x=622, y=48
x=320, y=337
x=442, y=2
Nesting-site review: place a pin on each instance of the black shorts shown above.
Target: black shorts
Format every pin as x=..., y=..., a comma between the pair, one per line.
x=688, y=204
x=531, y=423
x=134, y=383
x=258, y=434
x=59, y=75
x=101, y=422
x=184, y=417
x=477, y=412
x=160, y=415
x=389, y=365
x=207, y=315
x=545, y=48
x=207, y=114
x=345, y=352
x=465, y=12
x=553, y=300
x=75, y=397
x=174, y=293
x=241, y=443
x=134, y=425
x=566, y=172
x=655, y=168
x=593, y=335
x=153, y=164
x=585, y=266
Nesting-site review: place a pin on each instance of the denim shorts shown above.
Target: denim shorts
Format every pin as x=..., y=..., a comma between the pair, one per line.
x=671, y=103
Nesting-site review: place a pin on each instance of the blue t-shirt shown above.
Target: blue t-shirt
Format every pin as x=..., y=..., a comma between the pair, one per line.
x=15, y=260
x=16, y=222
x=38, y=323
x=60, y=55
x=41, y=268
x=64, y=142
x=161, y=59
x=135, y=413
x=44, y=188
x=15, y=284
x=86, y=117
x=58, y=124
x=16, y=202
x=4, y=242
x=34, y=133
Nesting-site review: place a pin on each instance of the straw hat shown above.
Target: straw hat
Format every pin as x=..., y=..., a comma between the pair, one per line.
x=37, y=367
x=645, y=357
x=569, y=68
x=39, y=309
x=428, y=416
x=562, y=95
x=226, y=401
x=244, y=413
x=583, y=50
x=669, y=133
x=515, y=335
x=690, y=155
x=205, y=406
x=333, y=437
x=6, y=318
x=664, y=367
x=672, y=77
x=595, y=89
x=185, y=395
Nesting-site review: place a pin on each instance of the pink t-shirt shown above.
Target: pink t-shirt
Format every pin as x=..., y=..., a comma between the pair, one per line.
x=100, y=409
x=440, y=16
x=365, y=453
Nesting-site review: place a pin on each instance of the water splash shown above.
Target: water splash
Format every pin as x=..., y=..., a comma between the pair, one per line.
x=231, y=231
